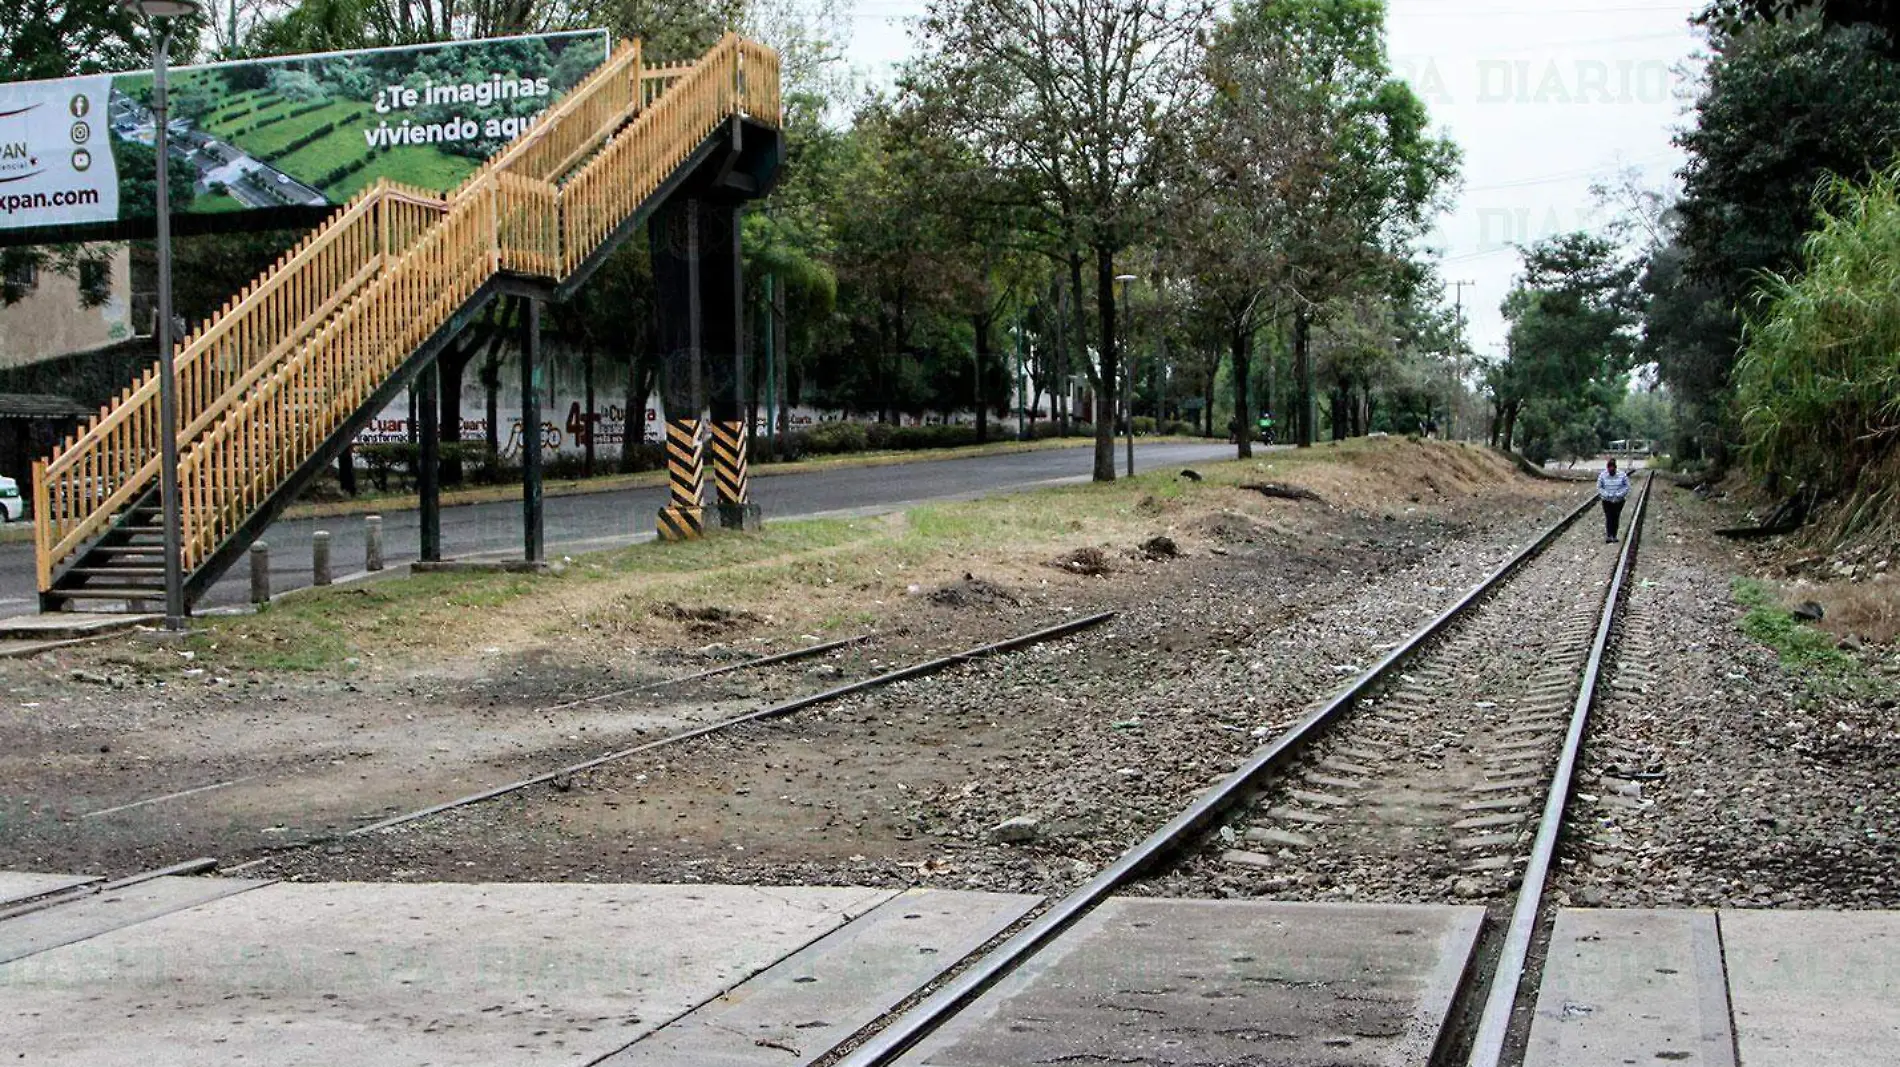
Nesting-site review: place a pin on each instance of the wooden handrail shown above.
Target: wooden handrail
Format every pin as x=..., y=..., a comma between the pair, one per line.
x=113, y=460
x=603, y=99
x=293, y=356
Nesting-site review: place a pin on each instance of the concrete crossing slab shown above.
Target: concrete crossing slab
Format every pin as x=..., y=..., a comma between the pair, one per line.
x=16, y=886
x=1814, y=988
x=1632, y=987
x=805, y=1006
x=81, y=920
x=373, y=975
x=1167, y=982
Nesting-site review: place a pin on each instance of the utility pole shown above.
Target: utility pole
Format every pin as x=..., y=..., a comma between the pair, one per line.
x=1061, y=401
x=769, y=335
x=1128, y=368
x=1022, y=400
x=1457, y=358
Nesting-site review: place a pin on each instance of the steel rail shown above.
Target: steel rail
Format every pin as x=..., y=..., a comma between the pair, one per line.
x=916, y=670
x=759, y=661
x=1494, y=1025
x=756, y=662
x=85, y=890
x=883, y=1047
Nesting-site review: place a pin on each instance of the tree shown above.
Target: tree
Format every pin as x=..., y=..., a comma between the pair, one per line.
x=62, y=38
x=323, y=26
x=1230, y=223
x=1788, y=102
x=1572, y=340
x=1818, y=386
x=892, y=265
x=1377, y=177
x=1356, y=351
x=1732, y=16
x=1082, y=102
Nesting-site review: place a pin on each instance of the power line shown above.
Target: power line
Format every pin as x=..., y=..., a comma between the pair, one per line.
x=1564, y=176
x=1438, y=11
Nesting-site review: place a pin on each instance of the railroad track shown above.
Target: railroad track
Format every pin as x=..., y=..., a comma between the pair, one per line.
x=701, y=685
x=1426, y=788
x=698, y=704
x=722, y=725
x=1442, y=748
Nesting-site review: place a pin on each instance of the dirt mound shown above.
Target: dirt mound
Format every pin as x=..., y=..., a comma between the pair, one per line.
x=707, y=621
x=1230, y=528
x=1276, y=491
x=1087, y=560
x=1381, y=473
x=972, y=592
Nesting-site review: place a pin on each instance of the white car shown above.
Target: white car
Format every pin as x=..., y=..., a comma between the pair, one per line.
x=12, y=507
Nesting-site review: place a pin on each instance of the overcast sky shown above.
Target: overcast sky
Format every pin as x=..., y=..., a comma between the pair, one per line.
x=1544, y=99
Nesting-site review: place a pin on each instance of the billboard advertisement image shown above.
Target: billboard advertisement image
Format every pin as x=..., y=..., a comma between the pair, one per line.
x=299, y=131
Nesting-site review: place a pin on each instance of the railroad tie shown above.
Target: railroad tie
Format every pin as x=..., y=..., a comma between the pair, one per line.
x=1299, y=815
x=1273, y=835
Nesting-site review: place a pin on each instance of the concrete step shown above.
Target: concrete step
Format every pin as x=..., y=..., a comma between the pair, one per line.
x=68, y=626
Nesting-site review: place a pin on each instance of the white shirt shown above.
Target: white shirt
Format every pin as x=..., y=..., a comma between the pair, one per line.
x=1613, y=487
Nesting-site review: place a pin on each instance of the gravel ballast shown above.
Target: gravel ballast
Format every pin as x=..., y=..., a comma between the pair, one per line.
x=1714, y=775
x=1027, y=772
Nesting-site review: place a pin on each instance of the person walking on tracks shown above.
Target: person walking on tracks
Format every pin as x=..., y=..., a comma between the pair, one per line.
x=1613, y=487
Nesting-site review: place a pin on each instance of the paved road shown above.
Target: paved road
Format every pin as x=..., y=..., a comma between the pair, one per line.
x=601, y=520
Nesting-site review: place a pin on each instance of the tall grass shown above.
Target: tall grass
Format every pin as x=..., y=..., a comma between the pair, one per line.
x=1818, y=383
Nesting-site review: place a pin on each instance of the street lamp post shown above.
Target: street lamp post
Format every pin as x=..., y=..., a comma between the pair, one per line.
x=1128, y=369
x=156, y=14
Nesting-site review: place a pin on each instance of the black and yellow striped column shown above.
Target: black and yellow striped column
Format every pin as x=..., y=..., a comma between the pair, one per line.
x=730, y=443
x=729, y=461
x=684, y=516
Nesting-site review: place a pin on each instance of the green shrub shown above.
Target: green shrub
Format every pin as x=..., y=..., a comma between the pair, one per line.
x=912, y=438
x=402, y=460
x=1818, y=383
x=1049, y=429
x=835, y=438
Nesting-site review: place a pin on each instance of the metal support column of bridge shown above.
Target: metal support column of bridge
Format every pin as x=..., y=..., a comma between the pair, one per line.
x=674, y=240
x=428, y=463
x=531, y=519
x=697, y=271
x=722, y=305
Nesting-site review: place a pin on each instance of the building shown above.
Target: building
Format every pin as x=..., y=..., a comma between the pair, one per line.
x=43, y=315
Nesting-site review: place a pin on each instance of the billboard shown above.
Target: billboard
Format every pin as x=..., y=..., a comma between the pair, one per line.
x=291, y=132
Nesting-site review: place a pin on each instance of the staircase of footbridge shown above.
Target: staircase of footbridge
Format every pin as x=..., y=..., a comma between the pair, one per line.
x=276, y=385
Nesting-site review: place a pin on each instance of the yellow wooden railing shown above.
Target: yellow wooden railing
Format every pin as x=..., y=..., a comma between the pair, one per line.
x=102, y=468
x=282, y=366
x=588, y=114
x=511, y=217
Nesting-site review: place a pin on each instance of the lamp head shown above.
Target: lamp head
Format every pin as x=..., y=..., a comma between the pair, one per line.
x=161, y=9
x=1125, y=278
